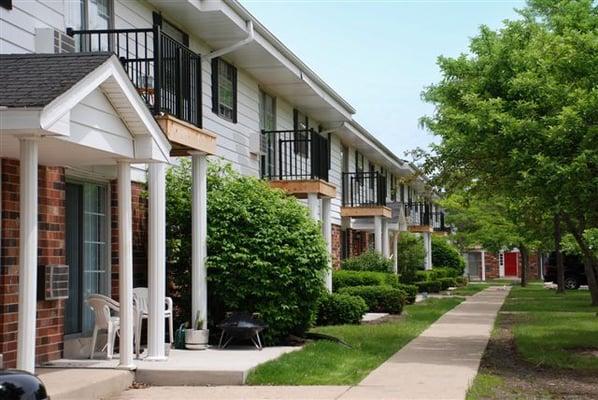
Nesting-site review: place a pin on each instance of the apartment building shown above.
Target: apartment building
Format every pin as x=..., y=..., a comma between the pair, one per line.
x=97, y=98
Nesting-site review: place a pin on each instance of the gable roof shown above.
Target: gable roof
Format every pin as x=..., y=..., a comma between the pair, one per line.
x=34, y=80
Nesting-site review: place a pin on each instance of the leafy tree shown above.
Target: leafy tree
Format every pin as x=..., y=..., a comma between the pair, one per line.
x=444, y=254
x=411, y=255
x=518, y=117
x=265, y=253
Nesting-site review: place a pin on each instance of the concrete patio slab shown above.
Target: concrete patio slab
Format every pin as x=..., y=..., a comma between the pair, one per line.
x=371, y=316
x=89, y=384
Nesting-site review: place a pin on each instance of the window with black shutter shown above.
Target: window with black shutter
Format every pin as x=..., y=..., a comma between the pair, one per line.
x=300, y=128
x=224, y=89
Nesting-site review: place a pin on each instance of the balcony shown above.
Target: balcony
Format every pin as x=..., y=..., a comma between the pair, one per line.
x=364, y=195
x=166, y=74
x=297, y=161
x=418, y=216
x=438, y=224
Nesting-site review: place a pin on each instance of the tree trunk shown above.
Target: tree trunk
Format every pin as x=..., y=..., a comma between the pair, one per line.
x=525, y=265
x=560, y=268
x=590, y=260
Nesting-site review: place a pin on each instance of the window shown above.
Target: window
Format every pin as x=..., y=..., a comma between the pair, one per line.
x=393, y=188
x=372, y=169
x=267, y=123
x=90, y=15
x=359, y=162
x=6, y=4
x=224, y=89
x=300, y=127
x=402, y=193
x=501, y=259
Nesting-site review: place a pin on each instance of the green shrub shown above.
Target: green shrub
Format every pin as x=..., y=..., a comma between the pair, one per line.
x=443, y=272
x=411, y=255
x=338, y=309
x=368, y=261
x=422, y=276
x=410, y=292
x=446, y=255
x=461, y=281
x=429, y=286
x=446, y=283
x=342, y=278
x=379, y=298
x=265, y=253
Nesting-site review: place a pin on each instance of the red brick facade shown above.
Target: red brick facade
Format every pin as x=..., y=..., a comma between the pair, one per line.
x=336, y=246
x=491, y=261
x=357, y=242
x=51, y=232
x=492, y=267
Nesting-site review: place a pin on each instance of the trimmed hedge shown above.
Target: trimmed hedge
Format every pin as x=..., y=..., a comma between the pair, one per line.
x=443, y=272
x=379, y=298
x=461, y=281
x=410, y=292
x=338, y=309
x=368, y=261
x=429, y=286
x=447, y=283
x=341, y=279
x=423, y=276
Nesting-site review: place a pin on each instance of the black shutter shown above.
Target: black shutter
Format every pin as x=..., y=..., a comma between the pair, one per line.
x=157, y=19
x=295, y=120
x=234, y=94
x=215, y=85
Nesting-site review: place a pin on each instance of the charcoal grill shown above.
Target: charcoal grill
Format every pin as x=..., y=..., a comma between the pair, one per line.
x=241, y=326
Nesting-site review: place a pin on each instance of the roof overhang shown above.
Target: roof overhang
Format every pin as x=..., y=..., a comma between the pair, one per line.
x=223, y=23
x=54, y=118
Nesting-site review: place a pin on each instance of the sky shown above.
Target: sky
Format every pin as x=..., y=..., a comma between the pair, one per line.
x=380, y=55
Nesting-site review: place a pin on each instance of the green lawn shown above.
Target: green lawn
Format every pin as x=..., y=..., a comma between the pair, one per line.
x=546, y=327
x=327, y=363
x=470, y=289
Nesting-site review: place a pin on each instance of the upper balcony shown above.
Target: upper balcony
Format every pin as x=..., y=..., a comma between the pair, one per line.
x=364, y=195
x=418, y=216
x=438, y=223
x=166, y=74
x=297, y=161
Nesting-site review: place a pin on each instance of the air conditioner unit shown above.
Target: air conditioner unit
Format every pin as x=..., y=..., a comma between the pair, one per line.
x=49, y=40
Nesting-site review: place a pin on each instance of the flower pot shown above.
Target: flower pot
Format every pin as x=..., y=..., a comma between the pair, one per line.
x=196, y=339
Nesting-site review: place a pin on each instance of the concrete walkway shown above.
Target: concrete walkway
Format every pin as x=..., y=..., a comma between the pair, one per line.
x=439, y=364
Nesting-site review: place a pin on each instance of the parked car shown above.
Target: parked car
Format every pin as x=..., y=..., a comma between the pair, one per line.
x=575, y=275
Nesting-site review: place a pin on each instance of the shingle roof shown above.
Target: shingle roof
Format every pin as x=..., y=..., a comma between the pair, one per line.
x=34, y=80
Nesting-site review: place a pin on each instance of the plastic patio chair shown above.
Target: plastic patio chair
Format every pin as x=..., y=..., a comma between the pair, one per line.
x=140, y=302
x=103, y=306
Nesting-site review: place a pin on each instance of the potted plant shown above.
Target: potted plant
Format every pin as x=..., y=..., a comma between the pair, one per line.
x=197, y=338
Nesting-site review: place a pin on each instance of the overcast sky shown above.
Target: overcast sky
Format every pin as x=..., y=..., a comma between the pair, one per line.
x=379, y=55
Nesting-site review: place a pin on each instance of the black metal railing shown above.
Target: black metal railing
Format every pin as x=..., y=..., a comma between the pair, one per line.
x=166, y=73
x=418, y=213
x=295, y=155
x=363, y=189
x=438, y=222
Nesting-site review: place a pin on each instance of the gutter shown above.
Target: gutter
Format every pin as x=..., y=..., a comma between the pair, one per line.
x=250, y=38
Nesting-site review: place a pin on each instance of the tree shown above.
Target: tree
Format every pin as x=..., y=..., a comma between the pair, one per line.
x=411, y=255
x=445, y=254
x=518, y=117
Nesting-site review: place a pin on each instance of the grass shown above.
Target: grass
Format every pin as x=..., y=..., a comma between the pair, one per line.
x=327, y=363
x=551, y=325
x=470, y=289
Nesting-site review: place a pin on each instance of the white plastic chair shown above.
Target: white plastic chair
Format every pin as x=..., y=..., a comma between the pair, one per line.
x=140, y=300
x=104, y=321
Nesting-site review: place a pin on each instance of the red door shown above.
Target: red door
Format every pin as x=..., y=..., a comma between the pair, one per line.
x=511, y=261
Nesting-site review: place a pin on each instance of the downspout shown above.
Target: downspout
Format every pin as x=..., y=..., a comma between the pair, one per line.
x=217, y=53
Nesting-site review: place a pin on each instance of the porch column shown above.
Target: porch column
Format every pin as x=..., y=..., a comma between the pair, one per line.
x=27, y=255
x=199, y=233
x=395, y=244
x=312, y=204
x=385, y=244
x=327, y=232
x=125, y=264
x=378, y=234
x=156, y=261
x=428, y=247
x=483, y=256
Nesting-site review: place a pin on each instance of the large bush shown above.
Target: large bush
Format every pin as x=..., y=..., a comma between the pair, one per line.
x=265, y=253
x=444, y=254
x=338, y=309
x=379, y=298
x=411, y=256
x=368, y=261
x=342, y=278
x=410, y=292
x=429, y=286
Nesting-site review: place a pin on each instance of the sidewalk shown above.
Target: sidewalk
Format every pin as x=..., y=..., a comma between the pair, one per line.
x=438, y=364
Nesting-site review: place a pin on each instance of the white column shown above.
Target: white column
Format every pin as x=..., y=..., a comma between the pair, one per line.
x=483, y=265
x=327, y=232
x=27, y=255
x=385, y=244
x=199, y=224
x=312, y=204
x=378, y=234
x=501, y=266
x=395, y=244
x=125, y=264
x=428, y=246
x=156, y=260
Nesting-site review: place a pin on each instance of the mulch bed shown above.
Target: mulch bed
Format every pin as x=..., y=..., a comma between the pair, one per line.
x=526, y=380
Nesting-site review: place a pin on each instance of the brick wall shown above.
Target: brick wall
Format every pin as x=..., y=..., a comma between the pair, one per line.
x=336, y=246
x=491, y=261
x=50, y=314
x=357, y=241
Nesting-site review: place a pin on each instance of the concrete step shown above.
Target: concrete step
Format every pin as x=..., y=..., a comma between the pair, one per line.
x=189, y=377
x=88, y=384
